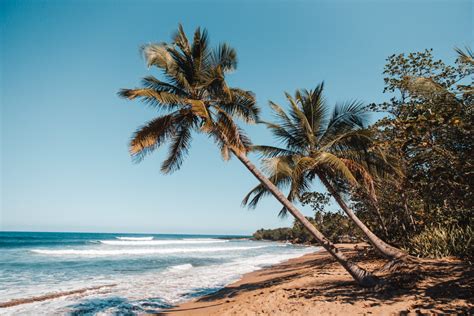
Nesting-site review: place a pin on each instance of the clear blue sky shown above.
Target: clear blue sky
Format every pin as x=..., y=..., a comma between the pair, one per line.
x=64, y=132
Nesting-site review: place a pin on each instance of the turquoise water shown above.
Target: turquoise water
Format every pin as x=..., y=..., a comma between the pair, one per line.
x=123, y=273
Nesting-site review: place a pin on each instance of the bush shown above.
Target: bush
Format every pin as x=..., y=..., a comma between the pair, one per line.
x=437, y=242
x=278, y=234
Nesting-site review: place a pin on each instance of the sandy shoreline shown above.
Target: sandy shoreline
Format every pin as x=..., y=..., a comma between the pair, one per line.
x=315, y=284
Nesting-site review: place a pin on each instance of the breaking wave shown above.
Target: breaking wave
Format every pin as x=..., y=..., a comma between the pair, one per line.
x=135, y=238
x=160, y=242
x=180, y=267
x=142, y=251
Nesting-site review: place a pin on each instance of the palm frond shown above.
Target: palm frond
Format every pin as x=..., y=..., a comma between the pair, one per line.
x=225, y=151
x=179, y=147
x=356, y=140
x=180, y=39
x=151, y=136
x=282, y=135
x=184, y=74
x=151, y=82
x=242, y=105
x=157, y=55
x=257, y=192
x=200, y=51
x=303, y=164
x=234, y=136
x=278, y=167
x=279, y=170
x=302, y=130
x=466, y=55
x=279, y=173
x=299, y=176
x=298, y=186
x=224, y=57
x=365, y=178
x=282, y=118
x=335, y=165
x=270, y=151
x=199, y=108
x=345, y=117
x=154, y=98
x=313, y=105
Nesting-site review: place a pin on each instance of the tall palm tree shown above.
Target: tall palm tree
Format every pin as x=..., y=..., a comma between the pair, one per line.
x=333, y=147
x=196, y=98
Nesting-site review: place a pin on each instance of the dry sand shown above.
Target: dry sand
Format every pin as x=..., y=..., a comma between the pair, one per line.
x=315, y=285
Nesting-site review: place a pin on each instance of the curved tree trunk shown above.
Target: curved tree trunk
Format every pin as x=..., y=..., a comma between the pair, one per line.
x=385, y=249
x=363, y=277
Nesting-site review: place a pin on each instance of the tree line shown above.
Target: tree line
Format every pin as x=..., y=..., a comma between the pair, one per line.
x=333, y=224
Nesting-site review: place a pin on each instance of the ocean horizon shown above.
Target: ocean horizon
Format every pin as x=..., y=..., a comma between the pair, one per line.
x=123, y=273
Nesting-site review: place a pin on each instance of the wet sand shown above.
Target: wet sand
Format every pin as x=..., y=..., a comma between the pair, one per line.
x=316, y=285
x=51, y=296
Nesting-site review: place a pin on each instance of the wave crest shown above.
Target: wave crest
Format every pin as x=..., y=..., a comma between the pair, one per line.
x=135, y=238
x=180, y=267
x=160, y=242
x=142, y=251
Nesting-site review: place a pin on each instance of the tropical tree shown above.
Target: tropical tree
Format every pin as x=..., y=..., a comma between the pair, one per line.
x=428, y=125
x=195, y=98
x=333, y=147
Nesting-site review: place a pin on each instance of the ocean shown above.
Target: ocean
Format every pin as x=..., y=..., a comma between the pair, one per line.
x=126, y=274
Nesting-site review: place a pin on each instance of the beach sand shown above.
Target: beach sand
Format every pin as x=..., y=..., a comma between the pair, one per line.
x=316, y=285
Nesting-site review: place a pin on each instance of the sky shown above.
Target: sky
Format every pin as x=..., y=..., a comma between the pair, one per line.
x=64, y=132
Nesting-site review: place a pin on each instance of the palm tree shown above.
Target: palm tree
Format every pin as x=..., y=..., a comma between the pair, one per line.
x=333, y=147
x=197, y=99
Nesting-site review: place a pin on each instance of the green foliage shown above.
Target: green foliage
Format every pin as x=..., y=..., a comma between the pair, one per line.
x=337, y=226
x=333, y=224
x=318, y=201
x=437, y=241
x=278, y=234
x=426, y=135
x=429, y=132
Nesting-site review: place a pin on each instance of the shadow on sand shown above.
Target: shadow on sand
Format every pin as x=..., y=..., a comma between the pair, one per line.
x=412, y=279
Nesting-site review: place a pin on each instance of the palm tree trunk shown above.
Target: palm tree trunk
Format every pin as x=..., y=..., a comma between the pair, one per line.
x=363, y=277
x=384, y=248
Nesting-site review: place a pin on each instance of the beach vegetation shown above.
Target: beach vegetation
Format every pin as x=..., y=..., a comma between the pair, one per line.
x=428, y=127
x=426, y=130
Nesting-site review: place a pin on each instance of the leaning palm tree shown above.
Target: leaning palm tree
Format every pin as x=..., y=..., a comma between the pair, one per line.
x=196, y=98
x=333, y=147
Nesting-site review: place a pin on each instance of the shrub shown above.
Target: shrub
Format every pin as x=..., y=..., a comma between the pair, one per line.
x=437, y=242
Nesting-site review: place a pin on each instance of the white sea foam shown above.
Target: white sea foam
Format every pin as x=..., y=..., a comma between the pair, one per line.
x=135, y=238
x=180, y=267
x=172, y=285
x=134, y=251
x=160, y=242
